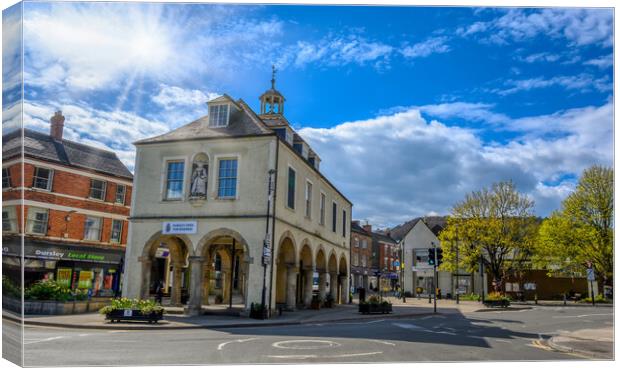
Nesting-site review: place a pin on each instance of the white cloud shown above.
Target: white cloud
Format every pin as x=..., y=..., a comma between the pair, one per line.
x=338, y=51
x=112, y=130
x=579, y=26
x=170, y=97
x=402, y=165
x=434, y=45
x=477, y=112
x=582, y=82
x=602, y=62
x=542, y=56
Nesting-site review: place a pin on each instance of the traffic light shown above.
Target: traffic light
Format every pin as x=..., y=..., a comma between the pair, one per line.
x=431, y=256
x=439, y=256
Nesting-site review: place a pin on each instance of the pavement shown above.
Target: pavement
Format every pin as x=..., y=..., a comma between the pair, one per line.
x=596, y=343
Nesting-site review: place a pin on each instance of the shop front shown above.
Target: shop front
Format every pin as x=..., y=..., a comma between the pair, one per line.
x=97, y=270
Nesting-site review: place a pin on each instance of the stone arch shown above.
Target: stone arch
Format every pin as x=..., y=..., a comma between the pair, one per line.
x=306, y=254
x=343, y=268
x=155, y=269
x=228, y=277
x=320, y=260
x=332, y=262
x=287, y=270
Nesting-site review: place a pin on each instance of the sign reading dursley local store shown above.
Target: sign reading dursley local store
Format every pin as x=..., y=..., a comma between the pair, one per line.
x=184, y=227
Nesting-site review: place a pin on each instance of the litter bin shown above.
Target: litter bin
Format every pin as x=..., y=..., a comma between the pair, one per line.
x=362, y=294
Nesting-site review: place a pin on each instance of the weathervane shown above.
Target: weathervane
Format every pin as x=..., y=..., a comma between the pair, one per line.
x=273, y=76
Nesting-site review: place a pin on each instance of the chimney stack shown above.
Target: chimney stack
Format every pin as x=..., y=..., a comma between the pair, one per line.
x=368, y=228
x=57, y=123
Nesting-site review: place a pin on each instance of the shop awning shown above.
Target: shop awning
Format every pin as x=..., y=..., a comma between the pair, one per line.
x=42, y=250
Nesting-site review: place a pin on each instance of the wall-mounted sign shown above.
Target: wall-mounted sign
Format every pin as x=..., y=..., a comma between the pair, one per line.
x=184, y=227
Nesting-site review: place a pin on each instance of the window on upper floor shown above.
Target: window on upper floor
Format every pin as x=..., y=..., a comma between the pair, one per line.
x=355, y=260
x=322, y=209
x=334, y=216
x=97, y=189
x=117, y=231
x=344, y=223
x=227, y=179
x=6, y=177
x=120, y=193
x=42, y=178
x=356, y=242
x=37, y=221
x=9, y=219
x=290, y=198
x=175, y=171
x=308, y=199
x=218, y=115
x=92, y=228
x=364, y=243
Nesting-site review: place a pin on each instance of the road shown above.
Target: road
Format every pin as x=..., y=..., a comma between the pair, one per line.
x=502, y=335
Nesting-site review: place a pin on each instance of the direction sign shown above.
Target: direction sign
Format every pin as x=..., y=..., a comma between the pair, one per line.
x=396, y=263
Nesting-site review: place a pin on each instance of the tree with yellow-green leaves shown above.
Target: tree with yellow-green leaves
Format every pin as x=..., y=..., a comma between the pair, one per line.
x=495, y=225
x=582, y=230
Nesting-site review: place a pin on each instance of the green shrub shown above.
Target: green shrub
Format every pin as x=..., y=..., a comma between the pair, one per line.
x=597, y=299
x=10, y=289
x=472, y=297
x=143, y=305
x=48, y=290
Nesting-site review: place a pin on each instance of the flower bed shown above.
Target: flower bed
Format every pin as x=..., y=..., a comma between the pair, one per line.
x=374, y=305
x=496, y=300
x=125, y=309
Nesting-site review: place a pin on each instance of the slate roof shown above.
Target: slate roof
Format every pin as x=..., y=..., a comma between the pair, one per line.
x=43, y=146
x=242, y=122
x=383, y=238
x=357, y=228
x=435, y=223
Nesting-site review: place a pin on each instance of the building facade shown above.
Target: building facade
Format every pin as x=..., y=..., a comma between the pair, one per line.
x=361, y=256
x=416, y=237
x=70, y=202
x=232, y=207
x=386, y=261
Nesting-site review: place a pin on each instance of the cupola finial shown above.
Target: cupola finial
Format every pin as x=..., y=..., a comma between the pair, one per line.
x=273, y=76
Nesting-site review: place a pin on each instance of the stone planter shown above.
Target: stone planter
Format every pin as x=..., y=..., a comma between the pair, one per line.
x=133, y=315
x=504, y=303
x=52, y=307
x=372, y=308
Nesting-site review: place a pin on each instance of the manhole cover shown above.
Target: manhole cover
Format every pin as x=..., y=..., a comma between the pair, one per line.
x=305, y=344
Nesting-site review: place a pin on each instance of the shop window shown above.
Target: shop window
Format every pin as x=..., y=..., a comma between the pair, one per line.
x=6, y=178
x=42, y=178
x=97, y=189
x=227, y=178
x=37, y=220
x=9, y=219
x=120, y=194
x=92, y=228
x=117, y=230
x=175, y=171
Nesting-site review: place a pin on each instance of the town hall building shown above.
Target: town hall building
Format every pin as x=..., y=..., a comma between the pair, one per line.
x=233, y=209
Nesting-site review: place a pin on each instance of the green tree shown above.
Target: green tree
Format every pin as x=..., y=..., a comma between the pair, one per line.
x=495, y=225
x=582, y=230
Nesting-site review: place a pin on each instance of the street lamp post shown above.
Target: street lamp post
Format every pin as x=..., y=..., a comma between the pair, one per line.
x=267, y=243
x=435, y=281
x=457, y=264
x=402, y=269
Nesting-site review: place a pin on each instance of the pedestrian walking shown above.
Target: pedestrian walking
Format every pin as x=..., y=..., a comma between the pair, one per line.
x=159, y=292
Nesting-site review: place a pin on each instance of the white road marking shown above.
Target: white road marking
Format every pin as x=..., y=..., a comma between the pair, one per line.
x=375, y=321
x=82, y=335
x=408, y=326
x=384, y=342
x=43, y=340
x=322, y=344
x=502, y=340
x=324, y=356
x=221, y=346
x=584, y=315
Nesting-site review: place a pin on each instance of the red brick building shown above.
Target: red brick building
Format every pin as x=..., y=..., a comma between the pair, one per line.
x=361, y=256
x=386, y=261
x=71, y=202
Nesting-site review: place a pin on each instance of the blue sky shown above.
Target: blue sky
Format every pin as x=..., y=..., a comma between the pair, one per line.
x=410, y=108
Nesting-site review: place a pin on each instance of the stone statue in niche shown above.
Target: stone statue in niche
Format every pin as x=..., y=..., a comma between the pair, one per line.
x=199, y=180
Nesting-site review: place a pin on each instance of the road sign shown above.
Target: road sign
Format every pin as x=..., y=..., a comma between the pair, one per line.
x=396, y=264
x=591, y=276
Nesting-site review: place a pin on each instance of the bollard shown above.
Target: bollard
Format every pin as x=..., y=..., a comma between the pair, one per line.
x=429, y=298
x=536, y=299
x=564, y=297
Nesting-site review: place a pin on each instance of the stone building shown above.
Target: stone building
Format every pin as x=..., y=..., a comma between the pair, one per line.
x=233, y=206
x=70, y=202
x=361, y=255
